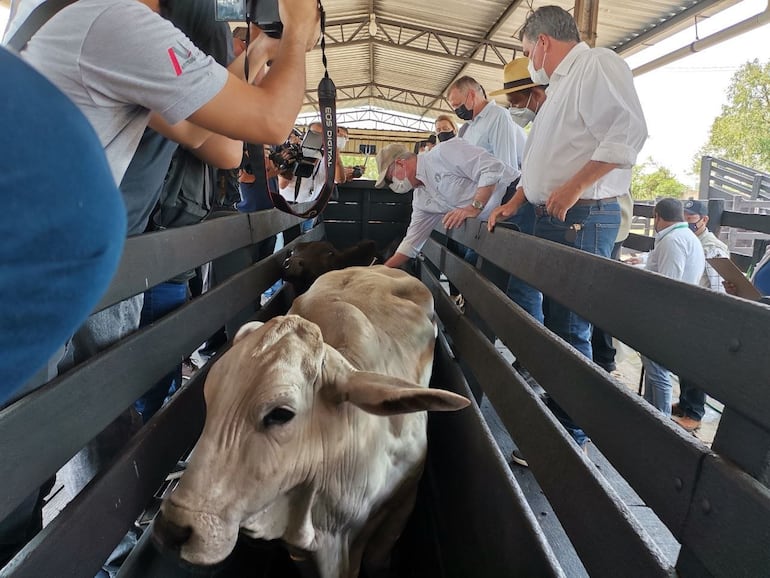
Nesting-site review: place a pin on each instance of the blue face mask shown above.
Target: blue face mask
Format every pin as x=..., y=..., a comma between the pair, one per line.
x=694, y=226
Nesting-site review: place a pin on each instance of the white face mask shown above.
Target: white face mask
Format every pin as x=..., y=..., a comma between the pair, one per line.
x=522, y=116
x=538, y=76
x=400, y=186
x=341, y=142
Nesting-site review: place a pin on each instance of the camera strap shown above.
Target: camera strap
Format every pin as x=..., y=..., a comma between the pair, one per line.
x=327, y=94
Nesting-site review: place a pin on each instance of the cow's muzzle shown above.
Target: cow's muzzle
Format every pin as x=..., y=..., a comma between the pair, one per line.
x=169, y=536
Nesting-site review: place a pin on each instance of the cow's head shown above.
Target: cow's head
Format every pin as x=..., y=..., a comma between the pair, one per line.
x=308, y=261
x=276, y=403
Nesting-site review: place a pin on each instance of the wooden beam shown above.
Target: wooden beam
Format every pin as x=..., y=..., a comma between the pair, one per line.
x=587, y=16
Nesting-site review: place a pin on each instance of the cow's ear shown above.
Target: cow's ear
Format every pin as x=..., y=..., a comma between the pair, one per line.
x=384, y=395
x=246, y=329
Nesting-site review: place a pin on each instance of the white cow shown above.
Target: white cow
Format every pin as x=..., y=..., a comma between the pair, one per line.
x=310, y=436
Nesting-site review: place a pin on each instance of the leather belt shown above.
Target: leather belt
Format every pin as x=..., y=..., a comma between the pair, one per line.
x=540, y=210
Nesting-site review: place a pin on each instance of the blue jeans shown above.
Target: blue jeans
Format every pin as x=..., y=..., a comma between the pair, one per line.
x=524, y=295
x=598, y=228
x=657, y=385
x=158, y=301
x=692, y=400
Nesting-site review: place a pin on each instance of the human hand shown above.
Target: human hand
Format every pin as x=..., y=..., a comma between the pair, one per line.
x=562, y=200
x=730, y=288
x=348, y=174
x=456, y=217
x=301, y=18
x=501, y=213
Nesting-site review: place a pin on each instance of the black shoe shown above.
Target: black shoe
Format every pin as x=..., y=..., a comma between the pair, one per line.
x=518, y=458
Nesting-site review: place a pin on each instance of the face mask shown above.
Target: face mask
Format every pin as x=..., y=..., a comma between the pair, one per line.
x=446, y=135
x=463, y=111
x=693, y=226
x=521, y=116
x=341, y=142
x=400, y=186
x=538, y=76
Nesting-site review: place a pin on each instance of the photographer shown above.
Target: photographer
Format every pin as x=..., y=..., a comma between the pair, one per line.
x=307, y=189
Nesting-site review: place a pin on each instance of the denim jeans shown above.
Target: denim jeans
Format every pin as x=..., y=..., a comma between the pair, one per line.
x=657, y=385
x=692, y=400
x=598, y=229
x=158, y=301
x=524, y=295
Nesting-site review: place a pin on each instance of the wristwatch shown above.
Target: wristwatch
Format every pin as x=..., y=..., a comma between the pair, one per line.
x=476, y=204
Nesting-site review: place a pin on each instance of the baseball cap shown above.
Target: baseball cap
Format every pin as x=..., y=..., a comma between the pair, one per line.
x=385, y=158
x=695, y=207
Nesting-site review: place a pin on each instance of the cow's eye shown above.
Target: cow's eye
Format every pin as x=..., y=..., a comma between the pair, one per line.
x=278, y=416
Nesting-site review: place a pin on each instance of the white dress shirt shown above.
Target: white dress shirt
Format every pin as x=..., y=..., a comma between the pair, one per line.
x=592, y=113
x=677, y=254
x=452, y=172
x=493, y=130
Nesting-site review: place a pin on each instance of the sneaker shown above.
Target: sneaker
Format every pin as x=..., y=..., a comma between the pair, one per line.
x=517, y=458
x=687, y=423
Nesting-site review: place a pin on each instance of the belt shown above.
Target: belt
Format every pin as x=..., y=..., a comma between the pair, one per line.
x=540, y=210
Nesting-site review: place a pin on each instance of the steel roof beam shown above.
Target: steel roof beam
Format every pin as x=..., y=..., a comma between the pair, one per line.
x=460, y=47
x=383, y=93
x=492, y=31
x=378, y=116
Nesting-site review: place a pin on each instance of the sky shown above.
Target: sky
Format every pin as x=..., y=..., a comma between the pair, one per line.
x=681, y=99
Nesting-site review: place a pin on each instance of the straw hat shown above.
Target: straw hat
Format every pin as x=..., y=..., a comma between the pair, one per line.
x=384, y=159
x=515, y=77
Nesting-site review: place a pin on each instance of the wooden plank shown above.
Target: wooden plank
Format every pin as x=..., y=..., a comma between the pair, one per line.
x=731, y=364
x=625, y=543
x=727, y=528
x=642, y=210
x=613, y=416
x=109, y=505
x=155, y=257
x=752, y=222
x=639, y=242
x=133, y=366
x=484, y=525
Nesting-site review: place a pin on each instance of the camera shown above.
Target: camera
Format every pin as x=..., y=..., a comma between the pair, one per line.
x=299, y=154
x=263, y=13
x=358, y=171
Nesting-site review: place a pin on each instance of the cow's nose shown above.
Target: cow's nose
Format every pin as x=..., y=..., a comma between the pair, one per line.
x=169, y=535
x=286, y=263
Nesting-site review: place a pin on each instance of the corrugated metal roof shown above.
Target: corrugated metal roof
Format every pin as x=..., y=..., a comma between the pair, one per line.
x=421, y=47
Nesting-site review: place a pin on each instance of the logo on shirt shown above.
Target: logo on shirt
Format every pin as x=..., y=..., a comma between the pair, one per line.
x=180, y=57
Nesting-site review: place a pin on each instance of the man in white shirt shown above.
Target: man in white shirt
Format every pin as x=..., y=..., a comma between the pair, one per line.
x=491, y=127
x=453, y=181
x=487, y=124
x=678, y=255
x=691, y=408
x=579, y=153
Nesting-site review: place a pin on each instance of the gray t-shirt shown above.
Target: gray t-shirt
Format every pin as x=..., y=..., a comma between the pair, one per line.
x=118, y=60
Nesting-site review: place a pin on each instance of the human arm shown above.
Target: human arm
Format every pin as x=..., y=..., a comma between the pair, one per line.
x=266, y=113
x=506, y=210
x=420, y=227
x=456, y=217
x=609, y=108
x=564, y=198
x=213, y=149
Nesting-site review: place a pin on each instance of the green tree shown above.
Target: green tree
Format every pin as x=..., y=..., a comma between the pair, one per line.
x=741, y=133
x=650, y=181
x=350, y=160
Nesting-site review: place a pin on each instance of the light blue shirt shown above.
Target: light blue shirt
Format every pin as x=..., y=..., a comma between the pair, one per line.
x=493, y=130
x=452, y=172
x=677, y=254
